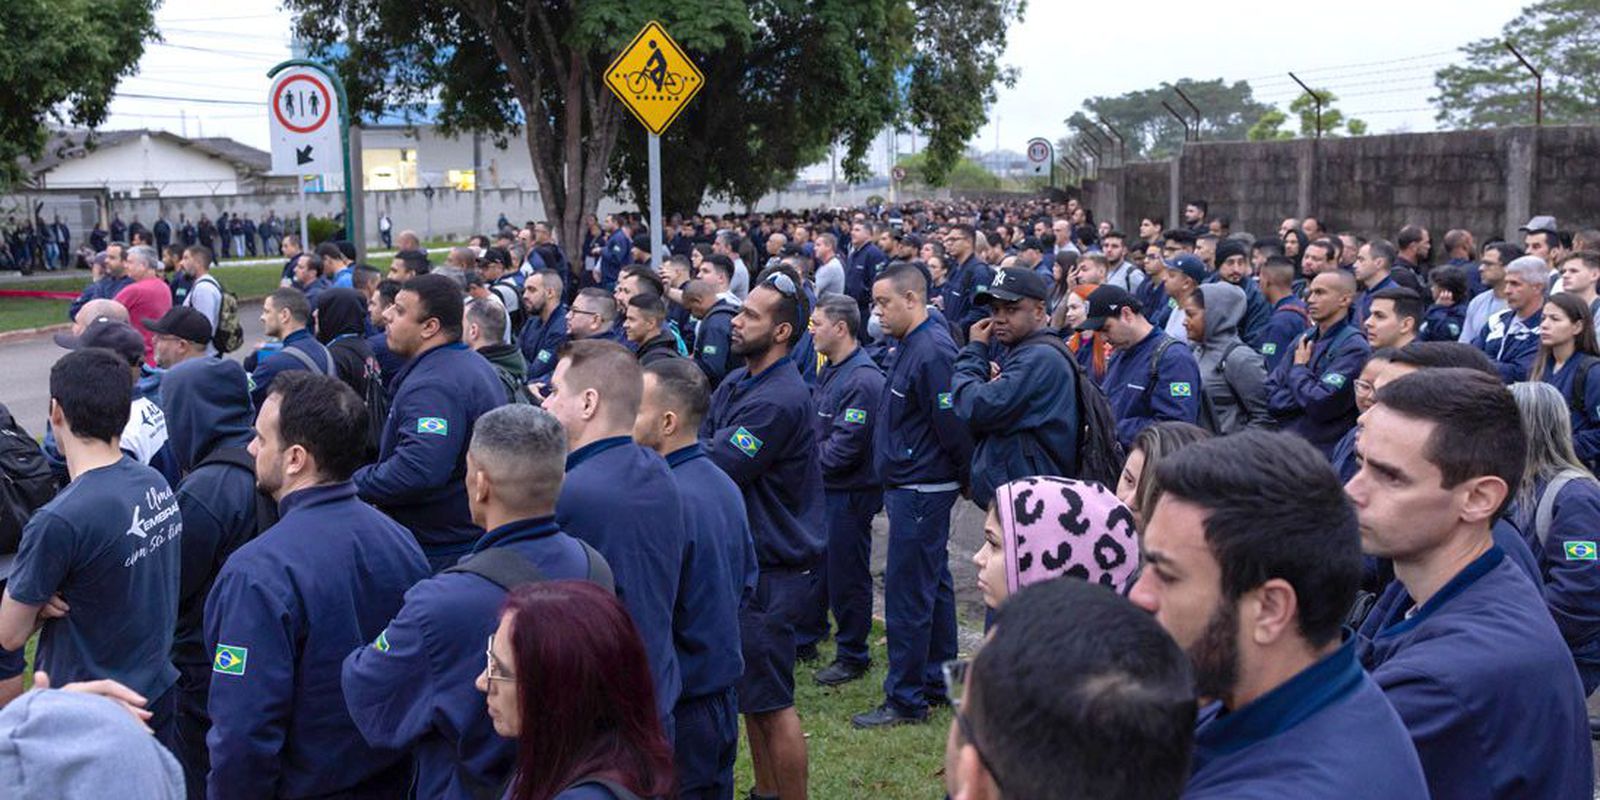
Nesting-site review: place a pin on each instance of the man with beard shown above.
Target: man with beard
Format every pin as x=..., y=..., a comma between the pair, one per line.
x=1233, y=266
x=546, y=329
x=1259, y=607
x=760, y=433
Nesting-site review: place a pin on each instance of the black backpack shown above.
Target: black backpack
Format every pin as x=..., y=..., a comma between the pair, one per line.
x=266, y=507
x=376, y=396
x=26, y=482
x=1580, y=384
x=1100, y=455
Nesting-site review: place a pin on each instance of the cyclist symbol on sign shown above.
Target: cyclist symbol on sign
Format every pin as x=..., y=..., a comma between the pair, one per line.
x=656, y=67
x=655, y=73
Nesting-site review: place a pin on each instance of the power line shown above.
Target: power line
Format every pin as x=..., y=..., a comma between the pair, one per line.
x=222, y=19
x=226, y=35
x=209, y=100
x=1315, y=70
x=251, y=54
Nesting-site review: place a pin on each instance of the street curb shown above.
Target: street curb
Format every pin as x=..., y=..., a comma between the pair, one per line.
x=6, y=337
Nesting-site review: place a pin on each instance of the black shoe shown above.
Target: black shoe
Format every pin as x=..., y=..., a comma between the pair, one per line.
x=807, y=654
x=840, y=672
x=887, y=716
x=937, y=700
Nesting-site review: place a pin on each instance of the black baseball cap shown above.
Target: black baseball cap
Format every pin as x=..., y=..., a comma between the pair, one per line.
x=183, y=322
x=1031, y=243
x=1012, y=284
x=118, y=337
x=1107, y=301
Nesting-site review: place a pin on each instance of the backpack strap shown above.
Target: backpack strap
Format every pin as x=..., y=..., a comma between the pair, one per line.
x=1580, y=383
x=1155, y=363
x=306, y=361
x=1547, y=503
x=508, y=569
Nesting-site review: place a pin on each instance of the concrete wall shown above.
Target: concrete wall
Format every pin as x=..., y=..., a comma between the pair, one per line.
x=1488, y=181
x=147, y=161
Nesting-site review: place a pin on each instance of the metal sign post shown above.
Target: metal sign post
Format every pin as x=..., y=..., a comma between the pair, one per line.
x=654, y=79
x=299, y=106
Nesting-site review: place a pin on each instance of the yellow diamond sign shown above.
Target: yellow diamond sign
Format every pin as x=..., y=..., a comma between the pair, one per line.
x=654, y=78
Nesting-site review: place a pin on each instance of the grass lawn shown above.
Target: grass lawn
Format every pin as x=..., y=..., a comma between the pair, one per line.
x=20, y=313
x=903, y=762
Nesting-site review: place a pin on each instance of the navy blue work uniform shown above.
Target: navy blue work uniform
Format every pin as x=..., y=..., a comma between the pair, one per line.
x=1289, y=319
x=541, y=344
x=285, y=611
x=719, y=568
x=960, y=293
x=1026, y=420
x=1139, y=402
x=412, y=688
x=262, y=370
x=713, y=343
x=1510, y=343
x=618, y=253
x=1152, y=297
x=1485, y=685
x=104, y=289
x=1363, y=304
x=622, y=500
x=922, y=452
x=1569, y=577
x=208, y=413
x=1585, y=410
x=1325, y=734
x=847, y=397
x=1443, y=323
x=861, y=268
x=1317, y=400
x=389, y=362
x=759, y=431
x=420, y=477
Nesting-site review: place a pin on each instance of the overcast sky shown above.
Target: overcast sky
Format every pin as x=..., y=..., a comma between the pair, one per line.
x=1379, y=56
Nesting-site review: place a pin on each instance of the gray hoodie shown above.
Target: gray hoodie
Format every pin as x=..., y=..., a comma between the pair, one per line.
x=60, y=745
x=1235, y=391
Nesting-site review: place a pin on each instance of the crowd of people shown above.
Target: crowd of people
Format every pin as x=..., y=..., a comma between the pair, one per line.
x=36, y=244
x=1308, y=512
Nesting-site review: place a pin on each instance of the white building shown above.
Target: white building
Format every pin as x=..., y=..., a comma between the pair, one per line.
x=147, y=163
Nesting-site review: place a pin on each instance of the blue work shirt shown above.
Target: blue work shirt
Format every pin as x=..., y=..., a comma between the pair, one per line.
x=622, y=499
x=1586, y=417
x=1510, y=343
x=412, y=688
x=618, y=253
x=1257, y=313
x=1485, y=685
x=960, y=293
x=285, y=611
x=1443, y=323
x=918, y=439
x=847, y=397
x=861, y=268
x=1363, y=304
x=1152, y=297
x=262, y=370
x=1289, y=319
x=389, y=362
x=104, y=289
x=759, y=431
x=719, y=568
x=1569, y=578
x=1025, y=421
x=109, y=544
x=1138, y=402
x=422, y=462
x=713, y=343
x=1317, y=400
x=541, y=344
x=1325, y=734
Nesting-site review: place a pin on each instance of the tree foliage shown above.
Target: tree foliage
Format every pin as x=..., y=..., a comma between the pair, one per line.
x=1333, y=123
x=60, y=61
x=1492, y=89
x=965, y=175
x=1227, y=112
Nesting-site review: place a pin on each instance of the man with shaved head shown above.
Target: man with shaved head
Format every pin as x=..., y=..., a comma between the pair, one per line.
x=97, y=309
x=620, y=497
x=1312, y=390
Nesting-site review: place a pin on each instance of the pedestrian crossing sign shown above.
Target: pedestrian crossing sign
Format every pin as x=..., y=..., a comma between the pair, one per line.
x=653, y=78
x=230, y=660
x=1581, y=551
x=746, y=442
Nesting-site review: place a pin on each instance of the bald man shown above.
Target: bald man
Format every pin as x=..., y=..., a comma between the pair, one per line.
x=98, y=309
x=1312, y=390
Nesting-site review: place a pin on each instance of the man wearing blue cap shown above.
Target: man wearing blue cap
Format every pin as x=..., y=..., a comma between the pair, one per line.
x=1185, y=273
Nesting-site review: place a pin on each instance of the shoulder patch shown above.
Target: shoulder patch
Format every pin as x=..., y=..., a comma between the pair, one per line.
x=946, y=400
x=381, y=644
x=1269, y=348
x=231, y=660
x=543, y=356
x=1581, y=551
x=1334, y=379
x=434, y=425
x=709, y=349
x=857, y=416
x=1181, y=389
x=746, y=442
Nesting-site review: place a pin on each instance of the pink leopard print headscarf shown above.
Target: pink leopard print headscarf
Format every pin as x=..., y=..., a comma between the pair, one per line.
x=1055, y=526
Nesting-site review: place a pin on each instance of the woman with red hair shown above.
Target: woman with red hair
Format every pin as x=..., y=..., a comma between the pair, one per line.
x=1090, y=347
x=567, y=678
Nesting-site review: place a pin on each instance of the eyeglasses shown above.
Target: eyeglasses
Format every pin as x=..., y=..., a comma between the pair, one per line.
x=1365, y=387
x=782, y=283
x=574, y=311
x=494, y=671
x=955, y=683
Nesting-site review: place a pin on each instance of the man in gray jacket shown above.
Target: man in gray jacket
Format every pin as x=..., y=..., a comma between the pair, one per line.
x=1232, y=372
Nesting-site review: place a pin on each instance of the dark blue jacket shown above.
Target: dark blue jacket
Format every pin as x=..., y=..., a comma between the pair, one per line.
x=1363, y=304
x=1318, y=400
x=1585, y=420
x=287, y=608
x=960, y=293
x=207, y=403
x=1485, y=685
x=1511, y=353
x=1257, y=313
x=1136, y=402
x=1289, y=319
x=422, y=461
x=1344, y=455
x=1443, y=323
x=541, y=344
x=263, y=370
x=411, y=689
x=760, y=432
x=1325, y=734
x=713, y=343
x=389, y=362
x=623, y=501
x=1025, y=421
x=919, y=438
x=104, y=289
x=719, y=568
x=847, y=396
x=1152, y=297
x=1568, y=578
x=618, y=253
x=861, y=268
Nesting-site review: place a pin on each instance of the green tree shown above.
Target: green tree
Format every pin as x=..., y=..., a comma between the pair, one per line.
x=964, y=175
x=1305, y=107
x=1269, y=127
x=1228, y=111
x=1492, y=89
x=60, y=61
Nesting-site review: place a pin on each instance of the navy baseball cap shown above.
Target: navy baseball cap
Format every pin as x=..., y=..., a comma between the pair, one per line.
x=1107, y=301
x=1191, y=265
x=1012, y=284
x=117, y=337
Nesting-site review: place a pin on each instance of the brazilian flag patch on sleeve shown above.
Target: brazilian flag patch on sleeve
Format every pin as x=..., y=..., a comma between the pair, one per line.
x=381, y=644
x=434, y=425
x=946, y=400
x=230, y=660
x=1269, y=348
x=857, y=416
x=1181, y=389
x=746, y=442
x=1581, y=551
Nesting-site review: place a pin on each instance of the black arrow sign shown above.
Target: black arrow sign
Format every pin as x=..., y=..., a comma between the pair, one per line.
x=302, y=155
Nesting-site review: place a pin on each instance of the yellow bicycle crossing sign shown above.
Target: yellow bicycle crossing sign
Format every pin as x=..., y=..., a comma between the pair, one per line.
x=653, y=78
